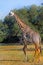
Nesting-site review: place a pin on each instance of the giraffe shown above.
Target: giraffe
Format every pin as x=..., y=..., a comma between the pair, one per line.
x=29, y=35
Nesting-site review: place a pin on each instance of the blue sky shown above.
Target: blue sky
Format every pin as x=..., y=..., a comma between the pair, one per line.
x=7, y=5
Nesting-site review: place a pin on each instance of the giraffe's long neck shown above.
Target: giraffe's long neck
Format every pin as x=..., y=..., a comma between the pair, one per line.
x=21, y=24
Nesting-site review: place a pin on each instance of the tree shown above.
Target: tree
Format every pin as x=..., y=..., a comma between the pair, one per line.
x=3, y=32
x=32, y=16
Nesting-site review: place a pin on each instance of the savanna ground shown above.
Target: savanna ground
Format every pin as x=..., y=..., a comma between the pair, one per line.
x=13, y=55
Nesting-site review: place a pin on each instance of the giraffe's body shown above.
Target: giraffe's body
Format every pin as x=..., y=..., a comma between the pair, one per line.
x=28, y=35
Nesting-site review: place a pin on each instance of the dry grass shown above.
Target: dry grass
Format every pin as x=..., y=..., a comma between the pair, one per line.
x=13, y=55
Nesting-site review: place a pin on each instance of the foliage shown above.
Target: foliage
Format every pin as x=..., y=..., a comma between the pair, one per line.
x=3, y=31
x=32, y=16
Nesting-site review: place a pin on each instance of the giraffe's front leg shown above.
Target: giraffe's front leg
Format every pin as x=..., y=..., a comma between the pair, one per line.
x=24, y=50
x=25, y=47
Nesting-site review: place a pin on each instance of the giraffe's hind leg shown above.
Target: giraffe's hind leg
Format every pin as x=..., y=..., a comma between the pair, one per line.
x=37, y=56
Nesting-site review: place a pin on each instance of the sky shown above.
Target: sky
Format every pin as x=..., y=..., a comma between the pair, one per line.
x=7, y=5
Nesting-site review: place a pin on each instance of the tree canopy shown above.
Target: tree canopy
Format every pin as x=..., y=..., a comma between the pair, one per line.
x=32, y=16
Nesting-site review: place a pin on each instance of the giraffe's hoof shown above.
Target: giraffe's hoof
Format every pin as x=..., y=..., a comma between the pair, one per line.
x=26, y=60
x=36, y=60
x=30, y=61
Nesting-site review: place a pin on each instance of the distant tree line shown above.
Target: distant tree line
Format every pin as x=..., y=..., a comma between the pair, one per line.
x=32, y=16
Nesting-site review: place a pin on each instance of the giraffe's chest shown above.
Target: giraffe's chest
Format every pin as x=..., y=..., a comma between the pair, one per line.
x=28, y=37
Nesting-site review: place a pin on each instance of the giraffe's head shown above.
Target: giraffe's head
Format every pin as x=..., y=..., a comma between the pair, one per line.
x=11, y=13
